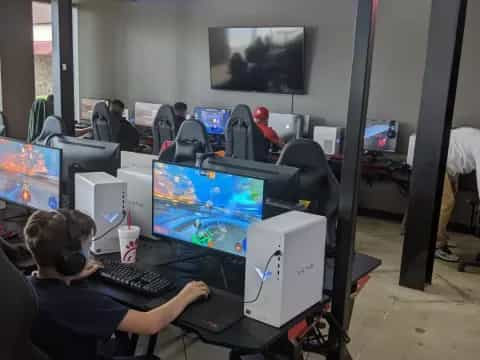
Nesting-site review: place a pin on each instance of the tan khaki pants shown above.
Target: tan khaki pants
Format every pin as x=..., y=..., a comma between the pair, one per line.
x=448, y=204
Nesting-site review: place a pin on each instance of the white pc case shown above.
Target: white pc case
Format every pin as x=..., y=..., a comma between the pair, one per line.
x=330, y=139
x=130, y=159
x=411, y=149
x=293, y=281
x=139, y=196
x=102, y=197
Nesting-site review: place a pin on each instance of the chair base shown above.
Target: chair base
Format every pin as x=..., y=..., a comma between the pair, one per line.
x=473, y=263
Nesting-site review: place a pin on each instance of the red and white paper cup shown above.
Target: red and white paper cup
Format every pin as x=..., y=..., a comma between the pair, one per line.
x=128, y=238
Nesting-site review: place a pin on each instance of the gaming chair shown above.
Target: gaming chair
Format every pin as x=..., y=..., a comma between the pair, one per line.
x=317, y=182
x=164, y=127
x=51, y=127
x=243, y=139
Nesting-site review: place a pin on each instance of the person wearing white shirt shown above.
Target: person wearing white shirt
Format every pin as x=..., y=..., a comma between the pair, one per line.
x=463, y=158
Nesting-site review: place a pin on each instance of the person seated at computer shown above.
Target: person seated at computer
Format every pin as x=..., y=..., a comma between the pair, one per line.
x=128, y=136
x=261, y=116
x=73, y=318
x=180, y=109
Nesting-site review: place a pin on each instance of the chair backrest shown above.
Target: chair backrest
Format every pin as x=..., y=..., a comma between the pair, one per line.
x=3, y=125
x=163, y=127
x=18, y=308
x=194, y=131
x=243, y=139
x=51, y=127
x=317, y=181
x=105, y=126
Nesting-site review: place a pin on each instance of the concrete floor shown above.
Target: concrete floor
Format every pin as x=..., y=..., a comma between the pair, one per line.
x=390, y=322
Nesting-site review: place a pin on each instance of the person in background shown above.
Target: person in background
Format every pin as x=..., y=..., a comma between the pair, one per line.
x=261, y=116
x=180, y=109
x=128, y=136
x=73, y=318
x=463, y=158
x=117, y=107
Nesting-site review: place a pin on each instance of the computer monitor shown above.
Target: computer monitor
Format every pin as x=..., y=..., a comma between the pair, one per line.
x=84, y=155
x=206, y=208
x=381, y=136
x=86, y=108
x=30, y=174
x=214, y=119
x=145, y=114
x=281, y=182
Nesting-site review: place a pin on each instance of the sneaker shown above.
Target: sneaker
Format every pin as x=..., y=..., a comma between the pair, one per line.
x=446, y=254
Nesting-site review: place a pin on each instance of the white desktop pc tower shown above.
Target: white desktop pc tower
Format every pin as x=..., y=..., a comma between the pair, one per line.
x=330, y=139
x=293, y=281
x=102, y=197
x=139, y=196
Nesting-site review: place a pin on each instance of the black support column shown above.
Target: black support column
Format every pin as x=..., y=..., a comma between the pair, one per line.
x=17, y=65
x=62, y=63
x=447, y=23
x=357, y=112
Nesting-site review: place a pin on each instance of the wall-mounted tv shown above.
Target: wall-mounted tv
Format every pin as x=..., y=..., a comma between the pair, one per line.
x=262, y=59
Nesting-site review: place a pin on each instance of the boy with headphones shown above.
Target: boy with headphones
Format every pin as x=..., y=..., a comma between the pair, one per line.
x=72, y=318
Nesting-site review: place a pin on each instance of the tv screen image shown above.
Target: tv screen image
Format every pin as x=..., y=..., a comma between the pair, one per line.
x=214, y=119
x=263, y=59
x=30, y=174
x=381, y=135
x=205, y=208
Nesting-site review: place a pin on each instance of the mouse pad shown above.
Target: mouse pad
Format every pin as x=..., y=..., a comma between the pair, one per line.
x=219, y=312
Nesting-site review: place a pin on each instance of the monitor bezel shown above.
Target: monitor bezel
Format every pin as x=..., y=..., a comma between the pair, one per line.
x=304, y=91
x=179, y=241
x=60, y=176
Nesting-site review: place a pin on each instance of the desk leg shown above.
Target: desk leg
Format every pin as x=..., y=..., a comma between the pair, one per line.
x=133, y=344
x=152, y=342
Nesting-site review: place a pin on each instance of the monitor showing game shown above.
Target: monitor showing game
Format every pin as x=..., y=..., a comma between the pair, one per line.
x=262, y=59
x=30, y=174
x=381, y=136
x=205, y=208
x=214, y=119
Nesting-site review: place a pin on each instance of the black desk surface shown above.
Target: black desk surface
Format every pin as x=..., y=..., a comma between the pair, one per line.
x=220, y=273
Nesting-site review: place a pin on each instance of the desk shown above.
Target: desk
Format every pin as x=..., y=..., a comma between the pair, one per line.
x=247, y=335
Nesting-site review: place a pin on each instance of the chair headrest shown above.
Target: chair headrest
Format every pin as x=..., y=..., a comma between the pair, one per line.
x=101, y=111
x=241, y=116
x=165, y=117
x=303, y=153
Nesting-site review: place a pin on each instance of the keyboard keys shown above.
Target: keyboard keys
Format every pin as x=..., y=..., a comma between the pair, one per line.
x=127, y=276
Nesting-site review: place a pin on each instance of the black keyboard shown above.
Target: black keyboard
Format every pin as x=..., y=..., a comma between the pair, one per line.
x=127, y=276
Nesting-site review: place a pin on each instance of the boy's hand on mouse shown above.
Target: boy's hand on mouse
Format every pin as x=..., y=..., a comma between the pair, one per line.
x=90, y=268
x=194, y=291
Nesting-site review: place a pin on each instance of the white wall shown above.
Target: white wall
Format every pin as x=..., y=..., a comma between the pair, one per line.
x=157, y=50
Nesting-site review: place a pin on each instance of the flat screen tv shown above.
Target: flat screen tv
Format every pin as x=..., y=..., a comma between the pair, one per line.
x=261, y=59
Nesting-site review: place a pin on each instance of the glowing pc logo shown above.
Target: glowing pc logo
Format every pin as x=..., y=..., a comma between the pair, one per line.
x=264, y=276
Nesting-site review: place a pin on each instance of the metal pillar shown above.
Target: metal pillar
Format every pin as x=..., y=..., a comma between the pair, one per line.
x=17, y=65
x=62, y=63
x=357, y=112
x=447, y=23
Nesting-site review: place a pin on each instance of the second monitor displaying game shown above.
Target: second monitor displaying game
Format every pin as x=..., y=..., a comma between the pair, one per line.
x=205, y=208
x=381, y=136
x=30, y=174
x=214, y=119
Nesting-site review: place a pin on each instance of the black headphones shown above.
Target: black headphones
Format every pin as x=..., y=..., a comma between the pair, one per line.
x=71, y=261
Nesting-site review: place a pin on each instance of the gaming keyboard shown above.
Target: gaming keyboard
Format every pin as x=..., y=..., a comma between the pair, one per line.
x=127, y=276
